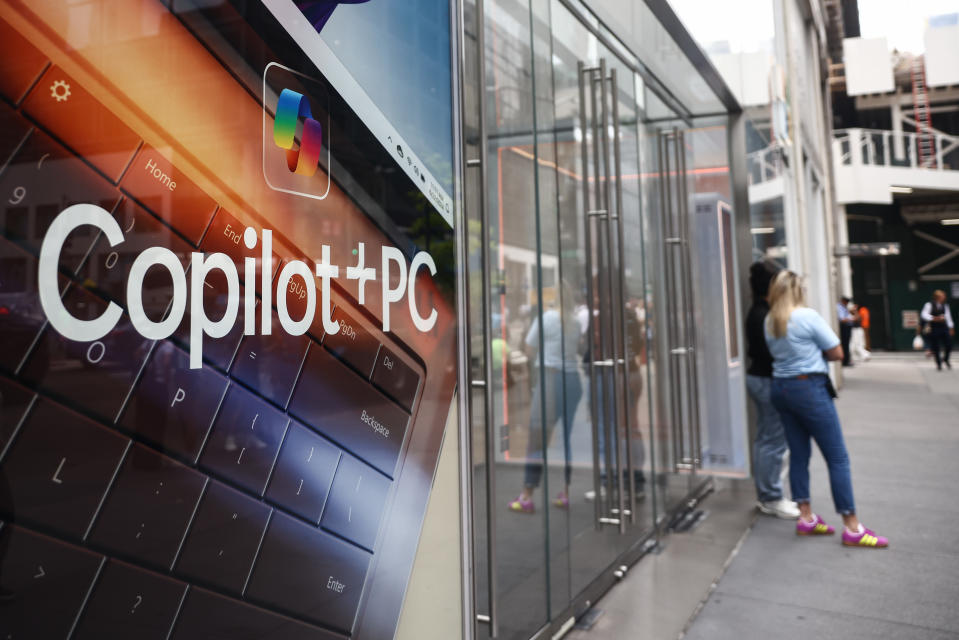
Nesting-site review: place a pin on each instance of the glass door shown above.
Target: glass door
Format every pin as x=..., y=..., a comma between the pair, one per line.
x=600, y=246
x=563, y=316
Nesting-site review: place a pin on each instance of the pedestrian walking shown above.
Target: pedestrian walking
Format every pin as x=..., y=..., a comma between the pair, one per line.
x=865, y=322
x=857, y=339
x=800, y=342
x=769, y=445
x=846, y=321
x=939, y=327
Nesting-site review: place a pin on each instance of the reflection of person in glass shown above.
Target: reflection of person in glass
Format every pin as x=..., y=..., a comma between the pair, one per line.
x=560, y=382
x=635, y=355
x=318, y=12
x=634, y=315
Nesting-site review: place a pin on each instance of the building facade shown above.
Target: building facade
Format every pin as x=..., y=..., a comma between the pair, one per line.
x=896, y=151
x=358, y=319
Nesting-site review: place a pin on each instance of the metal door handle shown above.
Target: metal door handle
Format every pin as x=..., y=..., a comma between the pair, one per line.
x=485, y=384
x=585, y=75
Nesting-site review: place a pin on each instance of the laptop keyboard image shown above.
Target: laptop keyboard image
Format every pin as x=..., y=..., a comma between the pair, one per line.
x=146, y=499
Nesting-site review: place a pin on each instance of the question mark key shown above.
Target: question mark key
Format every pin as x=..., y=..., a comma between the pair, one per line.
x=132, y=601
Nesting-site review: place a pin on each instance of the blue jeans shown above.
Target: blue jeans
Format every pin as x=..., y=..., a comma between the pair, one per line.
x=770, y=444
x=807, y=411
x=563, y=391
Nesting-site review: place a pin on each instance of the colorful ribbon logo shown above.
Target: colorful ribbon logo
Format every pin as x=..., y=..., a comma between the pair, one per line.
x=289, y=109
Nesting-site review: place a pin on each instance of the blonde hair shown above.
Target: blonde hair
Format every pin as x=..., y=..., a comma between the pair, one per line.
x=786, y=294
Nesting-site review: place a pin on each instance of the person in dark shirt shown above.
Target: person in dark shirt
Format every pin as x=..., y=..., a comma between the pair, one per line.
x=769, y=446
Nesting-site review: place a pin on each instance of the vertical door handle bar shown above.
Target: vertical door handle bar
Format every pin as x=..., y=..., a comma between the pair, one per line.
x=610, y=422
x=672, y=306
x=621, y=278
x=696, y=426
x=615, y=306
x=585, y=78
x=486, y=283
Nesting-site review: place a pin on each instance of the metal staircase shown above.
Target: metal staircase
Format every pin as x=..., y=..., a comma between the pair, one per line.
x=920, y=101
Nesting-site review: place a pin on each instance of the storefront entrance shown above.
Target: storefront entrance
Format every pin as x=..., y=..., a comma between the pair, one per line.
x=585, y=410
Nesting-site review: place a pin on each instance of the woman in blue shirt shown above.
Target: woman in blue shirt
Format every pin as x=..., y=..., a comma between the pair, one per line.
x=801, y=342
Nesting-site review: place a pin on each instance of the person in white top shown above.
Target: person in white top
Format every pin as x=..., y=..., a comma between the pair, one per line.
x=939, y=328
x=557, y=332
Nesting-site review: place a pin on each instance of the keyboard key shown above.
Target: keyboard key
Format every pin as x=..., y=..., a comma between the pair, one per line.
x=149, y=508
x=349, y=411
x=169, y=194
x=73, y=115
x=219, y=351
x=20, y=63
x=59, y=468
x=245, y=440
x=13, y=130
x=395, y=378
x=352, y=342
x=129, y=602
x=107, y=268
x=40, y=182
x=355, y=506
x=48, y=580
x=14, y=401
x=173, y=405
x=296, y=301
x=96, y=376
x=304, y=472
x=270, y=364
x=225, y=235
x=222, y=543
x=309, y=573
x=208, y=616
x=21, y=315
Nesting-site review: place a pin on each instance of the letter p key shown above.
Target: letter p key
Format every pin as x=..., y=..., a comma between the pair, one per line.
x=179, y=396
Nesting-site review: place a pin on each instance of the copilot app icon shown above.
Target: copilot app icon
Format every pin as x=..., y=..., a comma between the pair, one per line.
x=296, y=133
x=291, y=109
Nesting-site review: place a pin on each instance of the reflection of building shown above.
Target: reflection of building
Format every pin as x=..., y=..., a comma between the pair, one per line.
x=896, y=158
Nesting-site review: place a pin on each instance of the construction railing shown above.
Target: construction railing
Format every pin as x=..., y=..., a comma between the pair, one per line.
x=878, y=147
x=765, y=164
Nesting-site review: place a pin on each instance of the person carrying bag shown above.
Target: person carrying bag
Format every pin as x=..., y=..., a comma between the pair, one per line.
x=940, y=328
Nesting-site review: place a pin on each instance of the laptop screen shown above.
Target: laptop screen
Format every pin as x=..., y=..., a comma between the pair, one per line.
x=400, y=88
x=227, y=316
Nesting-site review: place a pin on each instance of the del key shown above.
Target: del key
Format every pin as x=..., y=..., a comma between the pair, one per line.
x=348, y=410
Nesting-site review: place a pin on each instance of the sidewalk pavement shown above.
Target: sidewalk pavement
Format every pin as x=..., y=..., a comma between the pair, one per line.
x=900, y=418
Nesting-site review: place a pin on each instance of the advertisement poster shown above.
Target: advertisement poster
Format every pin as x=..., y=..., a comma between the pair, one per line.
x=227, y=323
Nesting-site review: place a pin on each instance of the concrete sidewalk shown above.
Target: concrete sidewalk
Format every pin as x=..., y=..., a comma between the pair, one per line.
x=900, y=418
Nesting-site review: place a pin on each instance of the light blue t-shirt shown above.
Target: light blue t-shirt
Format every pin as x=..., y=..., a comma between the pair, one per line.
x=800, y=351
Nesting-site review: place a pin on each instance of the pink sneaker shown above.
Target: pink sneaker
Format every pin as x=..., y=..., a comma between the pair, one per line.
x=521, y=506
x=817, y=527
x=865, y=538
x=561, y=501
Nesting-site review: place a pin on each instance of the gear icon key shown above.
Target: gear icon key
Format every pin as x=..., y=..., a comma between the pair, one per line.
x=60, y=90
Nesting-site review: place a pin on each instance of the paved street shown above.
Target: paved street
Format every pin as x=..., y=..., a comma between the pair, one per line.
x=901, y=422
